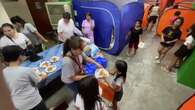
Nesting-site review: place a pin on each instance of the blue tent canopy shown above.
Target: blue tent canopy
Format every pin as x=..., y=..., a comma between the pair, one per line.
x=113, y=20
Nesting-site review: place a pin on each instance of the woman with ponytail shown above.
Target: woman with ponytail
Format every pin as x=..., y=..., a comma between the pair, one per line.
x=72, y=70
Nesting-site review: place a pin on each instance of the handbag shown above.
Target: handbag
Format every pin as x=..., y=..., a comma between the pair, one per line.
x=28, y=51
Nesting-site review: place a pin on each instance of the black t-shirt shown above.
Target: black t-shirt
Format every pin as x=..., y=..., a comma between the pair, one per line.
x=171, y=34
x=135, y=34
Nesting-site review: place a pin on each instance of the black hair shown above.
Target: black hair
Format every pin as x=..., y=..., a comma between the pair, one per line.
x=66, y=15
x=182, y=21
x=74, y=42
x=89, y=90
x=140, y=21
x=11, y=53
x=7, y=25
x=121, y=66
x=88, y=14
x=177, y=13
x=1, y=32
x=17, y=19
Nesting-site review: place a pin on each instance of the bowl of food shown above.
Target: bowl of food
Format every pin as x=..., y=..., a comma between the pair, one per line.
x=45, y=64
x=54, y=59
x=101, y=73
x=50, y=69
x=38, y=72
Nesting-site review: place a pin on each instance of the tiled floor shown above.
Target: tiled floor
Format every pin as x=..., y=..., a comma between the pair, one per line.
x=147, y=86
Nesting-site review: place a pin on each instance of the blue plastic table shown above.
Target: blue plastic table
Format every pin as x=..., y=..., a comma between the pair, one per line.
x=57, y=51
x=47, y=54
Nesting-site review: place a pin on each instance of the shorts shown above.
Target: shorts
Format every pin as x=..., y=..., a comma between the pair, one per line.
x=134, y=44
x=118, y=95
x=182, y=52
x=152, y=19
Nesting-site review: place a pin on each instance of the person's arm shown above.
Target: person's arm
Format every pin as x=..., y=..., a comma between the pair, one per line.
x=113, y=86
x=60, y=31
x=40, y=36
x=32, y=29
x=27, y=40
x=1, y=43
x=189, y=46
x=77, y=31
x=35, y=77
x=60, y=34
x=116, y=88
x=162, y=37
x=68, y=71
x=129, y=34
x=83, y=23
x=189, y=42
x=172, y=41
x=177, y=37
x=158, y=11
x=117, y=85
x=90, y=60
x=77, y=77
x=92, y=24
x=77, y=108
x=164, y=33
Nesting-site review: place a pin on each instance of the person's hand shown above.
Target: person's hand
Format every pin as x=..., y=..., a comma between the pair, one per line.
x=111, y=71
x=162, y=38
x=99, y=66
x=167, y=42
x=189, y=47
x=45, y=40
x=43, y=76
x=101, y=79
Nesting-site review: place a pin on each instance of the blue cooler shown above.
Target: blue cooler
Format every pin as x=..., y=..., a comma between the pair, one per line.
x=102, y=61
x=90, y=69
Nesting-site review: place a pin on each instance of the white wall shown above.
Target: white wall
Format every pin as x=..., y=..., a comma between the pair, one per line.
x=3, y=15
x=19, y=8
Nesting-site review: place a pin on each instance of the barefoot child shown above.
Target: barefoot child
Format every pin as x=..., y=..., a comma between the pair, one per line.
x=135, y=37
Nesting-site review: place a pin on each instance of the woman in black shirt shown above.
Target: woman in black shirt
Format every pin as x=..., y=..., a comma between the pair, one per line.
x=169, y=37
x=135, y=37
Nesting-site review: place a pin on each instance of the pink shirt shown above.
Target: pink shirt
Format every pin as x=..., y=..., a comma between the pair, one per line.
x=86, y=25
